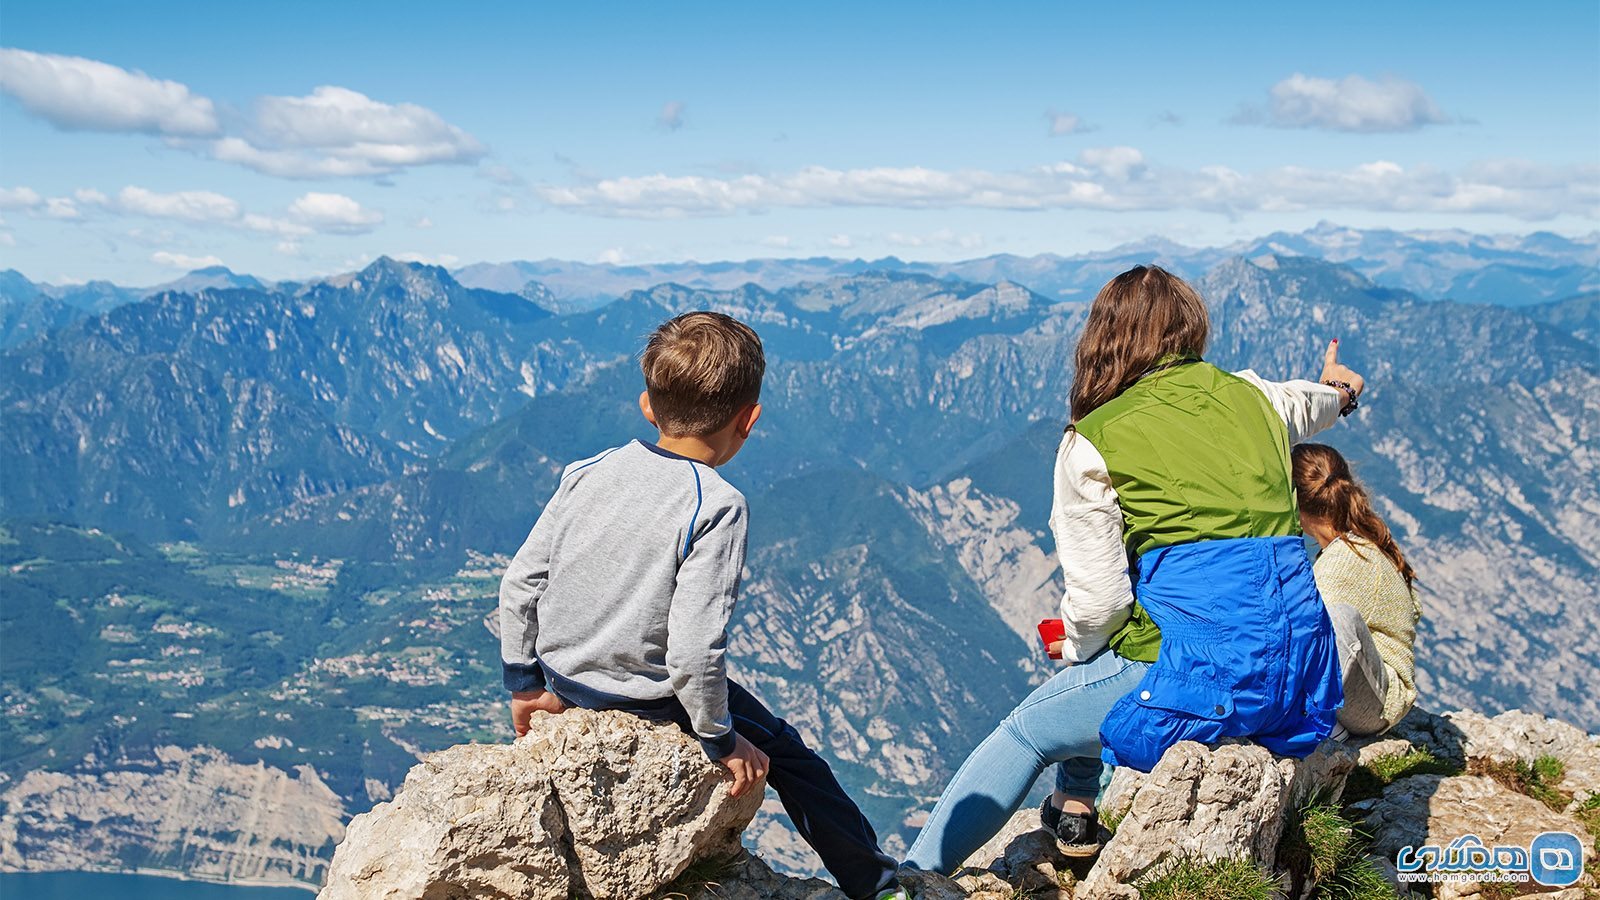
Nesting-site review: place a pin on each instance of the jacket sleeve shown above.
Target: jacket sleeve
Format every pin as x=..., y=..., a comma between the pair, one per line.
x=697, y=624
x=1305, y=406
x=520, y=589
x=1087, y=523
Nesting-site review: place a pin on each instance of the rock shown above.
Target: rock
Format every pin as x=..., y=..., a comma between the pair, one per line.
x=587, y=804
x=1222, y=802
x=1436, y=809
x=932, y=886
x=749, y=878
x=1463, y=735
x=1024, y=857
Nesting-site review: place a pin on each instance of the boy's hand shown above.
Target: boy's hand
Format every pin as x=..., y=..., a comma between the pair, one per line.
x=748, y=765
x=525, y=703
x=1055, y=649
x=1333, y=370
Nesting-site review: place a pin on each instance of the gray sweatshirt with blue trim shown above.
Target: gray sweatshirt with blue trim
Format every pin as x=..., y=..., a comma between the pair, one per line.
x=620, y=596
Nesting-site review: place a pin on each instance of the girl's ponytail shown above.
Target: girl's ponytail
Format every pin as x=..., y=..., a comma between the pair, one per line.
x=1327, y=490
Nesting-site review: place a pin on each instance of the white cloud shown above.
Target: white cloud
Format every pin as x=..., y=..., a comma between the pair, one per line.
x=423, y=222
x=60, y=208
x=336, y=132
x=185, y=206
x=273, y=225
x=1352, y=103
x=944, y=237
x=446, y=260
x=1120, y=163
x=780, y=241
x=26, y=198
x=334, y=213
x=87, y=95
x=308, y=214
x=842, y=241
x=19, y=198
x=612, y=256
x=1107, y=178
x=184, y=261
x=671, y=115
x=1066, y=123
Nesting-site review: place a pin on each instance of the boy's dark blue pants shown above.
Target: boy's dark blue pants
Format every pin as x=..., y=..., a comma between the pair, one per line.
x=820, y=809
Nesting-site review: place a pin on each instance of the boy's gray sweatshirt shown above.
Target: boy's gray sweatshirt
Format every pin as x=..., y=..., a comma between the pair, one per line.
x=620, y=597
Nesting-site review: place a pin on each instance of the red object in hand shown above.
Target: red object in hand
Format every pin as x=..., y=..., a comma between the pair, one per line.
x=1050, y=631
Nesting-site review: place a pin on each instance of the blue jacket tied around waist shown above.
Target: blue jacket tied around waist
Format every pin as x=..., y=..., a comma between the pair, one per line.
x=1247, y=650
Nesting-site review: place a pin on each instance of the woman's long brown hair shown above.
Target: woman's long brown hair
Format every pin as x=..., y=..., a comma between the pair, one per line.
x=1141, y=317
x=1327, y=490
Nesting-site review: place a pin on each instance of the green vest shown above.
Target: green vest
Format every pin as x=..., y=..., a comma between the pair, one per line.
x=1194, y=454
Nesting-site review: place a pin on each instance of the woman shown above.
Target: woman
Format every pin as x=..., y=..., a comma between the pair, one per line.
x=1368, y=587
x=1175, y=524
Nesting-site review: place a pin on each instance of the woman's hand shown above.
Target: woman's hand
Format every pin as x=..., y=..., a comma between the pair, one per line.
x=1333, y=370
x=1054, y=648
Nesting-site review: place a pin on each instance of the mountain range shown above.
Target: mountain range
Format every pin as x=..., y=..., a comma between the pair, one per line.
x=268, y=519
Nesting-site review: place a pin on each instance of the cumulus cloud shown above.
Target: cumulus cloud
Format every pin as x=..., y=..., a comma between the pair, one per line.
x=183, y=260
x=308, y=214
x=185, y=206
x=671, y=116
x=87, y=95
x=1352, y=103
x=1066, y=123
x=333, y=132
x=29, y=200
x=19, y=198
x=334, y=213
x=1104, y=178
x=336, y=132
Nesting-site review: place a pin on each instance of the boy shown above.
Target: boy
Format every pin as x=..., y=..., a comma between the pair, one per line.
x=621, y=595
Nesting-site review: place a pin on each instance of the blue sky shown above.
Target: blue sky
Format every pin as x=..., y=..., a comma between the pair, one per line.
x=289, y=139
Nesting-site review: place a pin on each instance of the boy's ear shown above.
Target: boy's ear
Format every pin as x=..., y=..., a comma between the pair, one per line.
x=644, y=407
x=745, y=421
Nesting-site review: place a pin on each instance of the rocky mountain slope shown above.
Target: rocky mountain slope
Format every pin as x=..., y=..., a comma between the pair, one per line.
x=336, y=616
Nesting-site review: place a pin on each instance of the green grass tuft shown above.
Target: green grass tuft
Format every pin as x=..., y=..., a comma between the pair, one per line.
x=1368, y=781
x=1187, y=878
x=1318, y=840
x=1537, y=779
x=1325, y=853
x=1357, y=879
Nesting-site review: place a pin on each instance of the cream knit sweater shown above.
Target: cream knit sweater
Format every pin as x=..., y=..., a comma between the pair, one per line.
x=1363, y=577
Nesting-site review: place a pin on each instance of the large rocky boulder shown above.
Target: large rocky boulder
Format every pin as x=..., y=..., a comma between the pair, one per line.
x=1226, y=802
x=587, y=804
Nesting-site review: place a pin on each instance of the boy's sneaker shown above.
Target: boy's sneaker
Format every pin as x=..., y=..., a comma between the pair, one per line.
x=1079, y=833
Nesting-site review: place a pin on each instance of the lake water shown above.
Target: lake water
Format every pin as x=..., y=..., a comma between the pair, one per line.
x=109, y=886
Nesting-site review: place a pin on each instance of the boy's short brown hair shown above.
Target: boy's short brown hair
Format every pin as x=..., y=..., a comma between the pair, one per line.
x=700, y=369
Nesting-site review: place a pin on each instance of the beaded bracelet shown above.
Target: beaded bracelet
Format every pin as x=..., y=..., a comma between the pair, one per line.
x=1349, y=391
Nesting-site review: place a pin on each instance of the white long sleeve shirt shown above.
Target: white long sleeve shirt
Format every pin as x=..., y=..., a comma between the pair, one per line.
x=1087, y=521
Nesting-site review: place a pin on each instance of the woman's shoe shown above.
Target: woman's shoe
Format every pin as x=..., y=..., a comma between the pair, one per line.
x=1078, y=833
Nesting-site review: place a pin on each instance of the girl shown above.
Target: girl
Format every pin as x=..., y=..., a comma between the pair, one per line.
x=1175, y=524
x=1368, y=587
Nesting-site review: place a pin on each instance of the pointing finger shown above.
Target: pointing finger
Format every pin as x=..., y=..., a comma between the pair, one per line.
x=1331, y=357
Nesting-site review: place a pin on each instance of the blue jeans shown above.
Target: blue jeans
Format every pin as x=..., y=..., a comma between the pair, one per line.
x=1059, y=721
